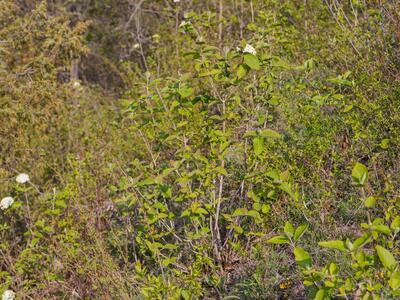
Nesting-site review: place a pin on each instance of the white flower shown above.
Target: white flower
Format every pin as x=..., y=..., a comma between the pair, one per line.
x=6, y=203
x=8, y=295
x=76, y=84
x=249, y=49
x=184, y=23
x=22, y=178
x=136, y=46
x=177, y=1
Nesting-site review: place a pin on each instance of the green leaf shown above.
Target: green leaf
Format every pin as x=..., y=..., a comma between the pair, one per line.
x=287, y=188
x=253, y=196
x=386, y=258
x=185, y=91
x=302, y=257
x=252, y=61
x=210, y=73
x=274, y=175
x=258, y=145
x=320, y=295
x=361, y=241
x=360, y=174
x=385, y=143
x=360, y=257
x=395, y=224
x=146, y=182
x=238, y=229
x=300, y=231
x=348, y=108
x=279, y=239
x=170, y=246
x=288, y=229
x=381, y=228
x=257, y=206
x=61, y=203
x=200, y=211
x=240, y=212
x=185, y=294
x=265, y=208
x=185, y=213
x=370, y=202
x=242, y=71
x=174, y=104
x=394, y=281
x=269, y=133
x=256, y=215
x=333, y=268
x=250, y=133
x=349, y=245
x=221, y=171
x=166, y=262
x=334, y=244
x=162, y=216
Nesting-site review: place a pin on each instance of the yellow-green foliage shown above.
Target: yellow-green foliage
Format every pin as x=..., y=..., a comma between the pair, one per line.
x=35, y=48
x=253, y=154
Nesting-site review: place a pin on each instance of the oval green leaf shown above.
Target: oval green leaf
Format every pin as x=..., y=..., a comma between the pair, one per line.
x=386, y=258
x=279, y=239
x=334, y=244
x=252, y=61
x=302, y=257
x=360, y=174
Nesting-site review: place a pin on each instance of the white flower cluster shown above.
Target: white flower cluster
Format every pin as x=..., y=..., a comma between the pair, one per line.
x=8, y=295
x=6, y=203
x=22, y=178
x=184, y=23
x=249, y=49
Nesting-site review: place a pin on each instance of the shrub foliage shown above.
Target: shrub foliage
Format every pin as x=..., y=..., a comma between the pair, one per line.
x=209, y=150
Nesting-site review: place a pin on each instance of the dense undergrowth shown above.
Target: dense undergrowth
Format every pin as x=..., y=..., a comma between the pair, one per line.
x=230, y=150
